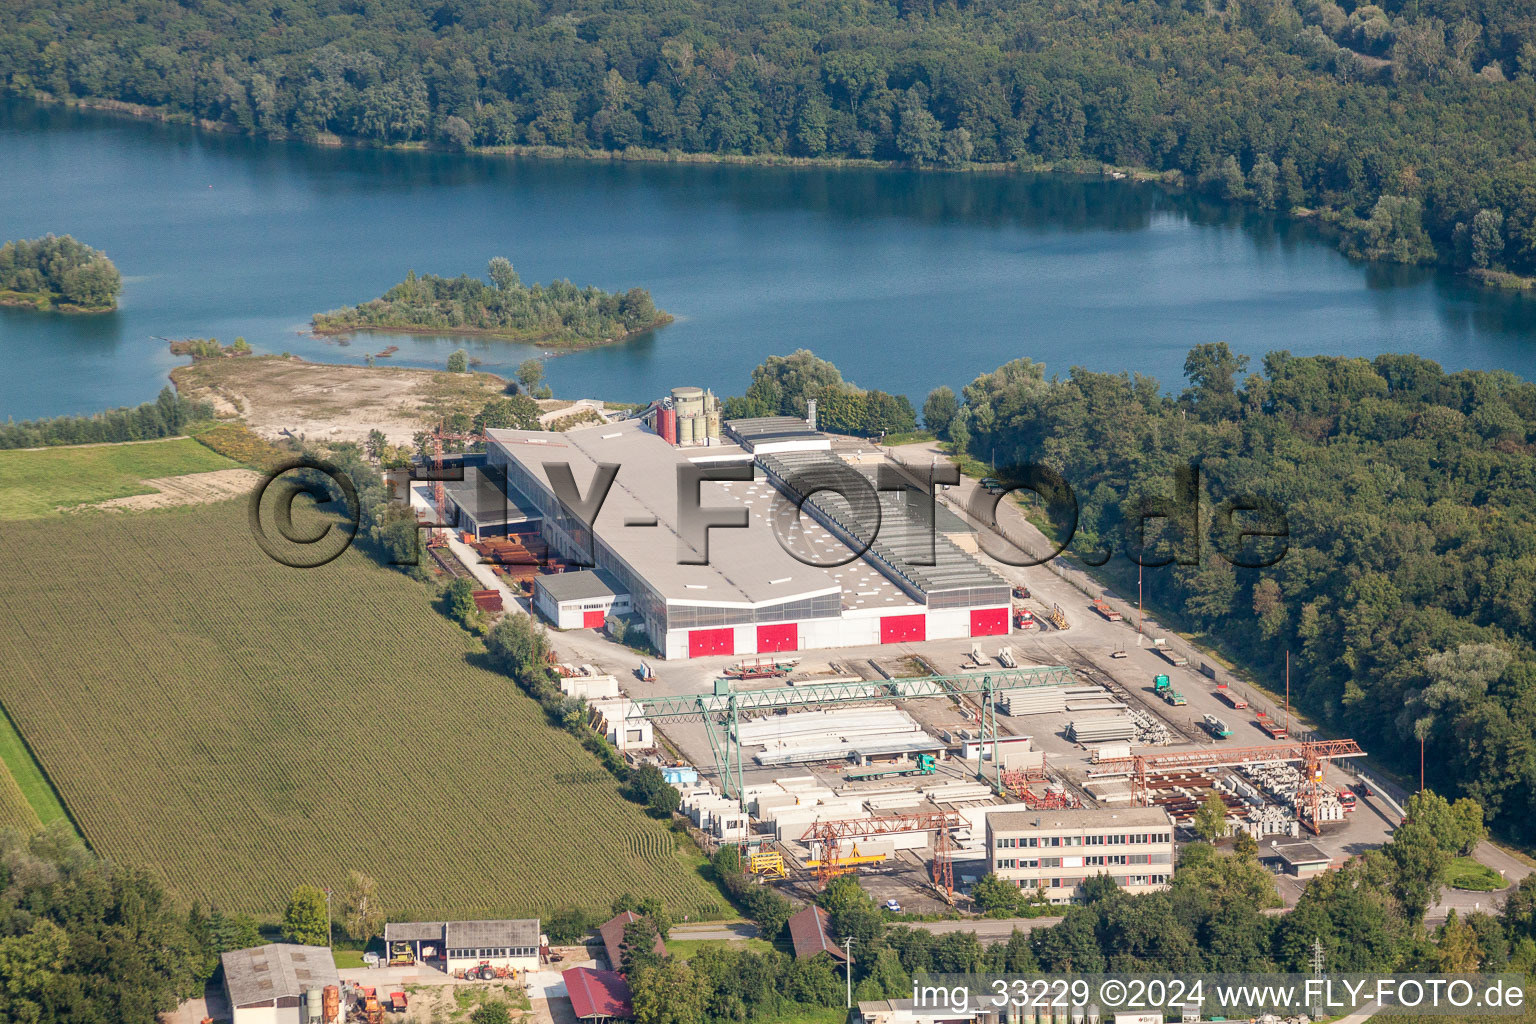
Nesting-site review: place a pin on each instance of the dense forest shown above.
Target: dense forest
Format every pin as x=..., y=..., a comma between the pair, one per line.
x=557, y=314
x=1410, y=123
x=85, y=940
x=168, y=415
x=1406, y=590
x=58, y=272
x=1406, y=593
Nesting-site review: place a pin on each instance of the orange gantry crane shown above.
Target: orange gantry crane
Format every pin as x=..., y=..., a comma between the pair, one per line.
x=831, y=835
x=1314, y=756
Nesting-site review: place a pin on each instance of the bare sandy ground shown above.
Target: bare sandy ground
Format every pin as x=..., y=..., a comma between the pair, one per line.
x=189, y=489
x=325, y=402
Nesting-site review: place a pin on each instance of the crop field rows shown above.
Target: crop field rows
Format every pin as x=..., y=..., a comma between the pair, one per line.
x=243, y=727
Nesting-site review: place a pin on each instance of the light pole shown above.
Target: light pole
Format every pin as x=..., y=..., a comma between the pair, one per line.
x=327, y=917
x=848, y=970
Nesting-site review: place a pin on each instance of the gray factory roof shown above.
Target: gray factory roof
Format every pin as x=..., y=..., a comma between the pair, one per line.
x=886, y=522
x=484, y=496
x=639, y=518
x=1027, y=821
x=763, y=429
x=461, y=934
x=276, y=971
x=586, y=585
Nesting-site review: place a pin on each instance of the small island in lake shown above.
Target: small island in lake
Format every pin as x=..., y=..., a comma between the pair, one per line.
x=559, y=314
x=58, y=273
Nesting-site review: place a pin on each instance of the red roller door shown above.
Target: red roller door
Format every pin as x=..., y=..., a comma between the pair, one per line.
x=897, y=629
x=592, y=620
x=704, y=642
x=782, y=636
x=989, y=621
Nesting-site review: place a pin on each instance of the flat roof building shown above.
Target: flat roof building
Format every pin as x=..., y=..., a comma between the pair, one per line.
x=1300, y=858
x=461, y=945
x=797, y=575
x=1057, y=851
x=480, y=503
x=765, y=435
x=268, y=984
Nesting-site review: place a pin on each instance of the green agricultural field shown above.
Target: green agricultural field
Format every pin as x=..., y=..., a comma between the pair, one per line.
x=15, y=811
x=38, y=482
x=241, y=728
x=26, y=799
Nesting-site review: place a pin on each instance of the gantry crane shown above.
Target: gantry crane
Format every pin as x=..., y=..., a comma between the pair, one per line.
x=831, y=834
x=1314, y=756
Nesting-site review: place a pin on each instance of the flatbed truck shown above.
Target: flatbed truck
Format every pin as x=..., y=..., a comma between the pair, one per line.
x=924, y=765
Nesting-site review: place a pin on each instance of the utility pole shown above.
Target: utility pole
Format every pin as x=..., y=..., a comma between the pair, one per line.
x=848, y=969
x=1141, y=608
x=1287, y=691
x=327, y=918
x=1317, y=971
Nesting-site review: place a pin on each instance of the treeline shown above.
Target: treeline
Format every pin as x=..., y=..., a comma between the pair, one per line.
x=554, y=314
x=82, y=939
x=783, y=386
x=1406, y=594
x=1407, y=122
x=59, y=271
x=167, y=416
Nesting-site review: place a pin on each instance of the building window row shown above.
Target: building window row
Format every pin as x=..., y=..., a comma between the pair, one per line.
x=1036, y=842
x=469, y=953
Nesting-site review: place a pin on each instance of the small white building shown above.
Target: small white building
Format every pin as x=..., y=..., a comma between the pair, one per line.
x=580, y=600
x=461, y=945
x=273, y=984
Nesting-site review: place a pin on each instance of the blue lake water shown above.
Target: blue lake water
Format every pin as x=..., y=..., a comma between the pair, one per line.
x=906, y=280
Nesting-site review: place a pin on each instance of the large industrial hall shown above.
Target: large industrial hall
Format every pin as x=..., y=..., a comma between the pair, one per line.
x=812, y=568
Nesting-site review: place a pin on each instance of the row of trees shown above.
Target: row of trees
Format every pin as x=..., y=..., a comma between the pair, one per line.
x=559, y=312
x=1410, y=123
x=1403, y=590
x=60, y=270
x=784, y=385
x=168, y=415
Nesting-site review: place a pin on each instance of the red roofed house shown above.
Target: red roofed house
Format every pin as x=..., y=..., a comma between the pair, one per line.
x=612, y=932
x=598, y=995
x=811, y=932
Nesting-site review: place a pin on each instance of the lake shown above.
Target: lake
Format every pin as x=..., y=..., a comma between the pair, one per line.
x=906, y=280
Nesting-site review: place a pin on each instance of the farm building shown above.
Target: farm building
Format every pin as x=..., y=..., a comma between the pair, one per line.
x=611, y=932
x=598, y=995
x=460, y=945
x=811, y=932
x=855, y=567
x=580, y=600
x=276, y=983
